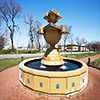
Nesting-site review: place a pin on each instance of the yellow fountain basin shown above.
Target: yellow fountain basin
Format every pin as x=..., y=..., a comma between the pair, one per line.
x=53, y=82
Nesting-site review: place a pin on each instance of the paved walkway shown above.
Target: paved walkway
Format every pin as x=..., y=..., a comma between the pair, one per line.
x=12, y=89
x=91, y=57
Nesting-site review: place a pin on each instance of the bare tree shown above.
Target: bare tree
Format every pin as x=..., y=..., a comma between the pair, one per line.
x=37, y=36
x=65, y=36
x=28, y=46
x=84, y=41
x=71, y=41
x=3, y=36
x=2, y=42
x=47, y=45
x=89, y=46
x=33, y=28
x=9, y=9
x=80, y=41
x=3, y=39
x=29, y=20
x=95, y=46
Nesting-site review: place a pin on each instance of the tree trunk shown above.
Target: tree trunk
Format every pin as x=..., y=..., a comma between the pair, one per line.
x=12, y=43
x=64, y=46
x=32, y=43
x=71, y=48
x=79, y=48
x=39, y=46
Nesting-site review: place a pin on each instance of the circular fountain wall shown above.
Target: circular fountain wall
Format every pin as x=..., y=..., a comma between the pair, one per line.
x=67, y=79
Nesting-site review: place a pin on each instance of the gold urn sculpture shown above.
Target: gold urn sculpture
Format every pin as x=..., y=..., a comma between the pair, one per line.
x=52, y=34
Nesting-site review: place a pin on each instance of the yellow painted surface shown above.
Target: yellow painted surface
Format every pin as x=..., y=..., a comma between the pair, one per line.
x=62, y=85
x=21, y=76
x=45, y=81
x=31, y=78
x=69, y=84
x=82, y=84
x=63, y=28
x=40, y=30
x=54, y=63
x=64, y=79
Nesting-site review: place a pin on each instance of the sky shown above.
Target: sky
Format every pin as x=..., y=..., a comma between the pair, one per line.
x=82, y=15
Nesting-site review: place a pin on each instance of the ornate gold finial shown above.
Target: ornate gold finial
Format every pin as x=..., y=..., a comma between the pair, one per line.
x=63, y=30
x=57, y=13
x=52, y=16
x=52, y=10
x=41, y=29
x=46, y=14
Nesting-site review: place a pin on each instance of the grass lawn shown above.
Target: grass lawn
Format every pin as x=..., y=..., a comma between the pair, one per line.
x=96, y=64
x=6, y=63
x=97, y=61
x=19, y=51
x=79, y=56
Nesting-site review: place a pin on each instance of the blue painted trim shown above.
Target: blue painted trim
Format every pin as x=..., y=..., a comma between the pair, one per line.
x=83, y=80
x=28, y=80
x=54, y=62
x=57, y=86
x=55, y=25
x=47, y=25
x=73, y=84
x=41, y=84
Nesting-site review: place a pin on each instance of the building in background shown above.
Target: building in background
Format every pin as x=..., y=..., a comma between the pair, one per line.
x=73, y=48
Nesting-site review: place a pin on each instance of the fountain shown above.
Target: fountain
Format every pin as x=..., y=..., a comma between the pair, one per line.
x=52, y=74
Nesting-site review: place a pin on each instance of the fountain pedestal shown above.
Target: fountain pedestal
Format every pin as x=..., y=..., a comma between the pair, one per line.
x=52, y=57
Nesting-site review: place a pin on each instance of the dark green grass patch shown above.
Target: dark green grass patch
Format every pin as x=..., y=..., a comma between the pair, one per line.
x=96, y=64
x=20, y=51
x=79, y=56
x=6, y=63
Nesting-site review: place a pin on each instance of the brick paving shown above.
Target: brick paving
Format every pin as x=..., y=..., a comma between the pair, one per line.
x=12, y=89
